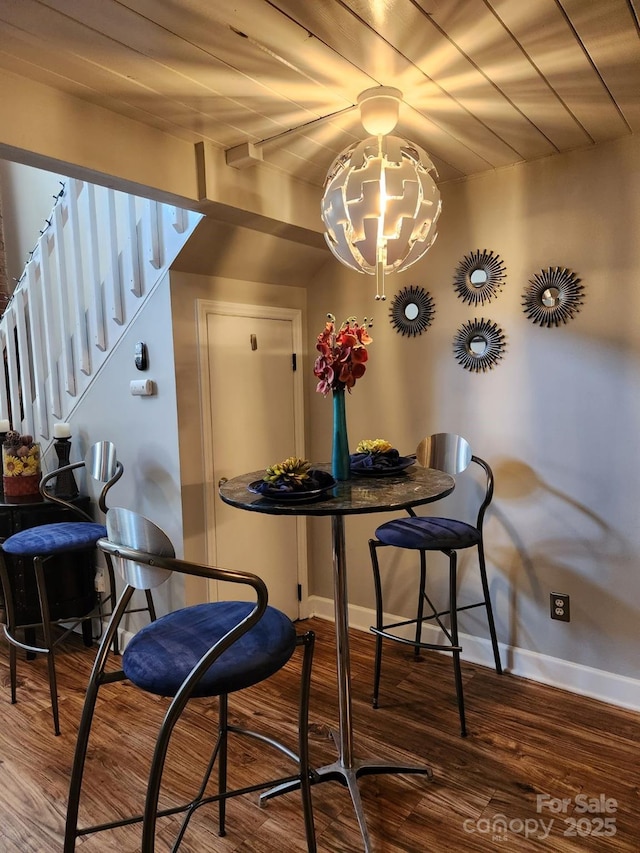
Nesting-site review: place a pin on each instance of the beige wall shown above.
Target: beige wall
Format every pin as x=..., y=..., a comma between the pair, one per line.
x=50, y=129
x=558, y=418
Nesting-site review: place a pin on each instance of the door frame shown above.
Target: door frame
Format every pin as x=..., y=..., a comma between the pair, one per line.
x=265, y=312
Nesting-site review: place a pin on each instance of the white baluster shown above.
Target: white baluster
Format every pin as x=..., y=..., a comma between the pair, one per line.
x=47, y=322
x=132, y=253
x=9, y=319
x=179, y=219
x=113, y=284
x=152, y=233
x=96, y=307
x=60, y=297
x=81, y=333
x=34, y=315
x=24, y=356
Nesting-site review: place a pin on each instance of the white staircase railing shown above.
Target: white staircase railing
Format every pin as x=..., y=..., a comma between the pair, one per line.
x=87, y=278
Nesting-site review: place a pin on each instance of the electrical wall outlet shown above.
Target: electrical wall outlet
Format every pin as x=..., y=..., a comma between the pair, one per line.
x=560, y=606
x=99, y=581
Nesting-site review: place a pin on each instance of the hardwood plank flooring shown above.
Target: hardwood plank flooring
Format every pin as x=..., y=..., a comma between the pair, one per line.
x=526, y=741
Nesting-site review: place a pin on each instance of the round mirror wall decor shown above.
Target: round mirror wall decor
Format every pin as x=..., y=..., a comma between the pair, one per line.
x=412, y=311
x=479, y=276
x=478, y=345
x=552, y=297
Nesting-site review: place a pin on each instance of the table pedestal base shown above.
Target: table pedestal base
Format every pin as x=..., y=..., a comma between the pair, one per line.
x=348, y=776
x=416, y=487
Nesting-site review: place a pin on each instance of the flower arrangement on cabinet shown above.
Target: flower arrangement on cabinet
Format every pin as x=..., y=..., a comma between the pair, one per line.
x=20, y=464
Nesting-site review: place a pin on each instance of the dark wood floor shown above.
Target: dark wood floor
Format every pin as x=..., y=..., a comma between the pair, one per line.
x=526, y=741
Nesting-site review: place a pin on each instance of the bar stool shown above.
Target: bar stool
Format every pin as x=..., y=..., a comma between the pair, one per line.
x=38, y=545
x=450, y=453
x=205, y=650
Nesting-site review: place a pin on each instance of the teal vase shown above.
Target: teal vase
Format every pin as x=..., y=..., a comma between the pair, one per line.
x=340, y=462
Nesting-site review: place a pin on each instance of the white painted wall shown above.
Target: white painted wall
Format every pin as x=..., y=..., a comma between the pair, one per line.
x=144, y=429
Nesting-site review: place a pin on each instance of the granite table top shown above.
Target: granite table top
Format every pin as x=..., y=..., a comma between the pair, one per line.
x=412, y=487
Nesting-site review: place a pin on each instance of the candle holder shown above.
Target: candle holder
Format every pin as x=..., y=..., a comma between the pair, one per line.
x=65, y=483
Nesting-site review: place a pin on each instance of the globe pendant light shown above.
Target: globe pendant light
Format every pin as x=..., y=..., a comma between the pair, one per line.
x=380, y=203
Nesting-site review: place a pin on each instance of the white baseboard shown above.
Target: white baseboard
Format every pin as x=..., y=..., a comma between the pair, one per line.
x=608, y=687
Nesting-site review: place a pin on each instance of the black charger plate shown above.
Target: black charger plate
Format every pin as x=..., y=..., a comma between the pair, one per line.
x=322, y=483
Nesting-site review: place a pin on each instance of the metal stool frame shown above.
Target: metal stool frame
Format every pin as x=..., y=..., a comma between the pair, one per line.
x=102, y=465
x=143, y=569
x=453, y=462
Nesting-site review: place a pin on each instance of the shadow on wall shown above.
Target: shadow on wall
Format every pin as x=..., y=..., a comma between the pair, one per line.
x=535, y=561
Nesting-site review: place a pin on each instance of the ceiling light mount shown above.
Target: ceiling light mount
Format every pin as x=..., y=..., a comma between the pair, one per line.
x=379, y=109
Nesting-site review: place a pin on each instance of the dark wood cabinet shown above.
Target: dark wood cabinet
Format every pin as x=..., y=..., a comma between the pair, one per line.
x=70, y=576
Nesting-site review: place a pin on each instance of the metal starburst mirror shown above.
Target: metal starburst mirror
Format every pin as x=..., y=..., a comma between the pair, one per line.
x=479, y=277
x=412, y=311
x=553, y=296
x=478, y=345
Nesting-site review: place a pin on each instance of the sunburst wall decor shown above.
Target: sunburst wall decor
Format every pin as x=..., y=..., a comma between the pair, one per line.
x=479, y=277
x=412, y=311
x=478, y=345
x=552, y=297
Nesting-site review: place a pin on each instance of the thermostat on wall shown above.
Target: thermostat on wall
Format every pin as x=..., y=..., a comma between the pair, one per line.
x=142, y=387
x=141, y=357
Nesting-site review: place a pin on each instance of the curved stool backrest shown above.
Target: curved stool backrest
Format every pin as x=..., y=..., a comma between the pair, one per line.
x=101, y=463
x=451, y=453
x=444, y=451
x=133, y=531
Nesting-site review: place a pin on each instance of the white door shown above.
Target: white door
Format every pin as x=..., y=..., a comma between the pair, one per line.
x=252, y=411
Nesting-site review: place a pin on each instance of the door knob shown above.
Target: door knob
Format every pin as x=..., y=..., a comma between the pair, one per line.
x=222, y=481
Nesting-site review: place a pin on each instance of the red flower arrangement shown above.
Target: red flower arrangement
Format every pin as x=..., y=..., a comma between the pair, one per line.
x=343, y=354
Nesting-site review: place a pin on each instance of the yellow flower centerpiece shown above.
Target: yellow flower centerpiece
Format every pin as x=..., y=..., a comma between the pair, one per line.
x=377, y=456
x=292, y=479
x=292, y=473
x=21, y=465
x=374, y=445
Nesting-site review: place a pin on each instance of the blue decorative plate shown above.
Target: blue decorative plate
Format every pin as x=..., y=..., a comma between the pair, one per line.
x=320, y=483
x=398, y=467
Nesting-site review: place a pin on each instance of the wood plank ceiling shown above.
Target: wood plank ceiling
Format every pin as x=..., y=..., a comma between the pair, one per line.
x=486, y=83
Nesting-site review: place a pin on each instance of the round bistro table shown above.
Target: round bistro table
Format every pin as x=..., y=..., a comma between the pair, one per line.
x=359, y=495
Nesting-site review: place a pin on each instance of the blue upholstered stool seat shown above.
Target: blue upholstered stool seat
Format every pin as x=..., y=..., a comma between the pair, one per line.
x=54, y=538
x=160, y=656
x=428, y=534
